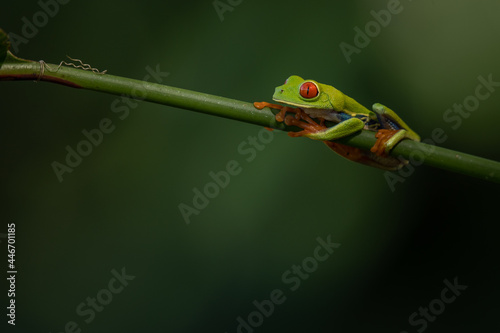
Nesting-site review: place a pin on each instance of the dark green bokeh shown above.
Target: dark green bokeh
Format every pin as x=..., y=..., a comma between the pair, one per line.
x=119, y=207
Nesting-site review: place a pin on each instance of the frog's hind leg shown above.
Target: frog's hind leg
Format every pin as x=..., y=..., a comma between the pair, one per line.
x=351, y=153
x=366, y=157
x=390, y=120
x=386, y=140
x=393, y=130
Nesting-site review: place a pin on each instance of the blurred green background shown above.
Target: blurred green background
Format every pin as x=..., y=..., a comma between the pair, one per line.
x=119, y=209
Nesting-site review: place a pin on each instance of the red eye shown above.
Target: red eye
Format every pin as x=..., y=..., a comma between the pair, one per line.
x=308, y=90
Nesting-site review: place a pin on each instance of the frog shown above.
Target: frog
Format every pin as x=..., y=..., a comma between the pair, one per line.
x=314, y=105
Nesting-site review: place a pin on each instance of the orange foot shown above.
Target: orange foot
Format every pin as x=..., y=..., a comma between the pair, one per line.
x=261, y=105
x=301, y=119
x=382, y=136
x=283, y=109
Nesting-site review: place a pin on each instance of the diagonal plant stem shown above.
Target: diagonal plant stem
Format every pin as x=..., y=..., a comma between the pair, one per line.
x=14, y=68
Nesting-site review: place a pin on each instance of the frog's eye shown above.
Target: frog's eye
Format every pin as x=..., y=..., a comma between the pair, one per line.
x=308, y=90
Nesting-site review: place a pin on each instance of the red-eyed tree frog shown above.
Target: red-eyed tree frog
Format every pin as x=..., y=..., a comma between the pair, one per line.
x=325, y=103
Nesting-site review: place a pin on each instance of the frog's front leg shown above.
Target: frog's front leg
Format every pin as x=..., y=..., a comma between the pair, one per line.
x=342, y=129
x=280, y=116
x=315, y=131
x=301, y=119
x=261, y=105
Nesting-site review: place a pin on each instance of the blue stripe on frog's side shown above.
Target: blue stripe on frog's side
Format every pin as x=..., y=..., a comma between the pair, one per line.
x=344, y=116
x=382, y=122
x=370, y=124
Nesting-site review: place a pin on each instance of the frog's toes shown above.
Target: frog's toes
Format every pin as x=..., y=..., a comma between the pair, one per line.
x=261, y=105
x=379, y=108
x=280, y=116
x=384, y=141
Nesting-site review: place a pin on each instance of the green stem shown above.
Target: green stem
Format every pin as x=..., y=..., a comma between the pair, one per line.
x=14, y=68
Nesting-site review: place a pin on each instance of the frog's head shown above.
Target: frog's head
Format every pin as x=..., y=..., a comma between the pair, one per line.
x=309, y=94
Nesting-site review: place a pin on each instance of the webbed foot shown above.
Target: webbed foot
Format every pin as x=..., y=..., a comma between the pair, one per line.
x=300, y=120
x=386, y=140
x=280, y=116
